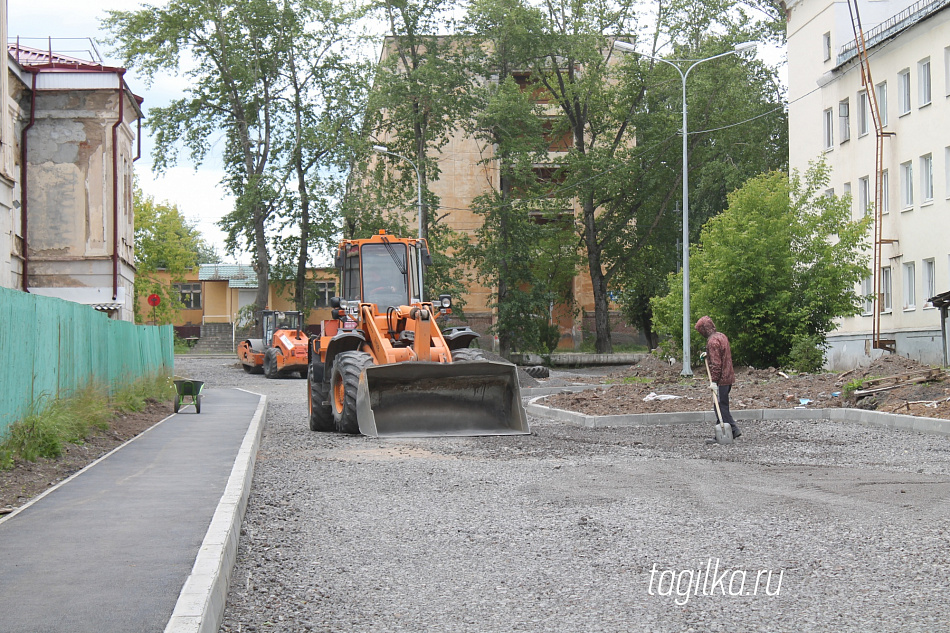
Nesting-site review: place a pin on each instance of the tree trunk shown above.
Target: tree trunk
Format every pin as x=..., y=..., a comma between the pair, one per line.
x=602, y=344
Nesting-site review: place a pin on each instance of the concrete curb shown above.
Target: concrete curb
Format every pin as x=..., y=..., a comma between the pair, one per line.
x=200, y=606
x=932, y=426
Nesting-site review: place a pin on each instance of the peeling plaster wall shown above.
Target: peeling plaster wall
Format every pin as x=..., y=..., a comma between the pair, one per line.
x=70, y=192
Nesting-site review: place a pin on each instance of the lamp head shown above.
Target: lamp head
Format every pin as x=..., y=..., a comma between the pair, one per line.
x=382, y=149
x=624, y=46
x=745, y=46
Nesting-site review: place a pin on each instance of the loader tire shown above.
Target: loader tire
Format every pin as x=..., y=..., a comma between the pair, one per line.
x=321, y=415
x=344, y=382
x=467, y=354
x=537, y=371
x=246, y=368
x=270, y=363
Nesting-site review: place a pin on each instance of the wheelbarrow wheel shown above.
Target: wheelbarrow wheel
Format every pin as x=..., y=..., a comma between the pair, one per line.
x=198, y=403
x=177, y=404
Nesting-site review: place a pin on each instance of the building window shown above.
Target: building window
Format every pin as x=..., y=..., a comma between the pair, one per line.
x=828, y=129
x=930, y=285
x=867, y=292
x=882, y=101
x=907, y=185
x=946, y=170
x=910, y=284
x=864, y=125
x=844, y=113
x=886, y=289
x=927, y=178
x=189, y=295
x=826, y=46
x=846, y=193
x=864, y=196
x=322, y=292
x=946, y=70
x=885, y=193
x=903, y=91
x=923, y=79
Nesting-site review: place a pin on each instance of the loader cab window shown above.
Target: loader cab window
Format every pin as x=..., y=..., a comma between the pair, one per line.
x=414, y=272
x=351, y=273
x=385, y=275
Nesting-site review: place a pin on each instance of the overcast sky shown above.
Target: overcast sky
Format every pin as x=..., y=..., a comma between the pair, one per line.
x=195, y=191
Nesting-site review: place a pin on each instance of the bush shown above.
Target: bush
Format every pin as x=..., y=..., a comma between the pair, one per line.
x=807, y=354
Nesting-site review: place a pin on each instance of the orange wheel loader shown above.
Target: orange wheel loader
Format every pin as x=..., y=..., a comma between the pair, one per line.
x=281, y=351
x=383, y=368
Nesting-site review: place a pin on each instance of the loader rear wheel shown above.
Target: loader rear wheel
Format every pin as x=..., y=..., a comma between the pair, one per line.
x=270, y=363
x=321, y=415
x=467, y=354
x=246, y=368
x=344, y=382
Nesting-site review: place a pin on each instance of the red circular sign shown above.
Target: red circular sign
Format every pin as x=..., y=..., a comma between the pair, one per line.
x=154, y=300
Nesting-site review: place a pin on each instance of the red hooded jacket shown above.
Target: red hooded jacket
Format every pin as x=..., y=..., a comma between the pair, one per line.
x=718, y=352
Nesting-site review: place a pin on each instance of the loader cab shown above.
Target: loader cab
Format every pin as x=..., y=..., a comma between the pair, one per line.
x=383, y=272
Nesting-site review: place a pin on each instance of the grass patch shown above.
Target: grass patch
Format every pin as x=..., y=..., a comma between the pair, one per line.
x=52, y=423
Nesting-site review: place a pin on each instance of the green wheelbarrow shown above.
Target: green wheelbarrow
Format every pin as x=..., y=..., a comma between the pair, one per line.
x=188, y=388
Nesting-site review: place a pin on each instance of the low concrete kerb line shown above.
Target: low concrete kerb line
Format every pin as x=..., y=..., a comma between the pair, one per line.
x=933, y=426
x=200, y=606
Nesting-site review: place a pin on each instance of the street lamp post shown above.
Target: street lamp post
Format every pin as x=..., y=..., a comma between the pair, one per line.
x=382, y=149
x=629, y=48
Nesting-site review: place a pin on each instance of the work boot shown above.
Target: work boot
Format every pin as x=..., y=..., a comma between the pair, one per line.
x=736, y=433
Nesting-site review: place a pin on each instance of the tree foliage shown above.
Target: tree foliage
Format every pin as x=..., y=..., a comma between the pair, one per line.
x=164, y=241
x=773, y=270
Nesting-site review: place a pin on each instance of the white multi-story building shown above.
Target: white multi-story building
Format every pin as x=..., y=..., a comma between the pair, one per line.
x=908, y=47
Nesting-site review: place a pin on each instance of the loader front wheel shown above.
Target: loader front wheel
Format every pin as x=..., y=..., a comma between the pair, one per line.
x=344, y=382
x=270, y=363
x=321, y=415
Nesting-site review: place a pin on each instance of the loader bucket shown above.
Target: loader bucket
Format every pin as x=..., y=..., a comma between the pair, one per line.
x=417, y=399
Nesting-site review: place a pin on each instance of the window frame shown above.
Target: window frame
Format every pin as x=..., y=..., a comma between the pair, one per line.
x=881, y=94
x=907, y=185
x=826, y=46
x=844, y=106
x=828, y=129
x=926, y=179
x=864, y=112
x=867, y=292
x=909, y=286
x=903, y=92
x=864, y=196
x=885, y=192
x=192, y=290
x=929, y=281
x=886, y=294
x=924, y=83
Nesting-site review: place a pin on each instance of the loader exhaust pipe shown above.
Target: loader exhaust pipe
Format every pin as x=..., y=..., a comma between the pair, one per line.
x=418, y=399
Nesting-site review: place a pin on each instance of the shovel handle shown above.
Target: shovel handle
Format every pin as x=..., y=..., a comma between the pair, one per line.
x=715, y=395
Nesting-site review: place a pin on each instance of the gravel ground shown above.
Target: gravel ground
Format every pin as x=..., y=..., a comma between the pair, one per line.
x=572, y=529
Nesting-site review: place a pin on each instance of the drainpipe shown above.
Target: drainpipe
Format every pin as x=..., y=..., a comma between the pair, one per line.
x=23, y=183
x=115, y=187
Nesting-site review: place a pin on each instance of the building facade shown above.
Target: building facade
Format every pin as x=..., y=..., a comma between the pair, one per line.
x=73, y=134
x=831, y=117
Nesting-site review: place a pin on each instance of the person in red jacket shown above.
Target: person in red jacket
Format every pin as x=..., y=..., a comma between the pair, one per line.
x=723, y=376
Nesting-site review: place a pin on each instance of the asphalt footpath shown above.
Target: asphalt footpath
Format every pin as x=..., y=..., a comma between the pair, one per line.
x=143, y=539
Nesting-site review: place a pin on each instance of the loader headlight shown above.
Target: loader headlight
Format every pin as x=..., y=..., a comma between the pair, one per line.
x=445, y=301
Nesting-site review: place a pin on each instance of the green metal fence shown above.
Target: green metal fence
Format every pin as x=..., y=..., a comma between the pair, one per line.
x=50, y=347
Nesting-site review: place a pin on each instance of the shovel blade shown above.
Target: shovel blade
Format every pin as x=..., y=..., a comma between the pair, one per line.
x=723, y=433
x=417, y=399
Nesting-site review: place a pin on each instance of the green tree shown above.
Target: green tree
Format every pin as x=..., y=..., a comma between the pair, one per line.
x=776, y=268
x=164, y=241
x=421, y=92
x=524, y=249
x=234, y=48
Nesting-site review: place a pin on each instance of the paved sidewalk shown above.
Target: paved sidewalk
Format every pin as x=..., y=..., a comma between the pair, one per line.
x=112, y=548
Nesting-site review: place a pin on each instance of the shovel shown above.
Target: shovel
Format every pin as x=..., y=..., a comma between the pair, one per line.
x=723, y=430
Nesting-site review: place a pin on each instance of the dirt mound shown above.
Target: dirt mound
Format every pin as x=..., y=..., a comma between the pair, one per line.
x=648, y=386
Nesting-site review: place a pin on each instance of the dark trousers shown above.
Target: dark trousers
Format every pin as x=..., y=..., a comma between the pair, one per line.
x=724, y=406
